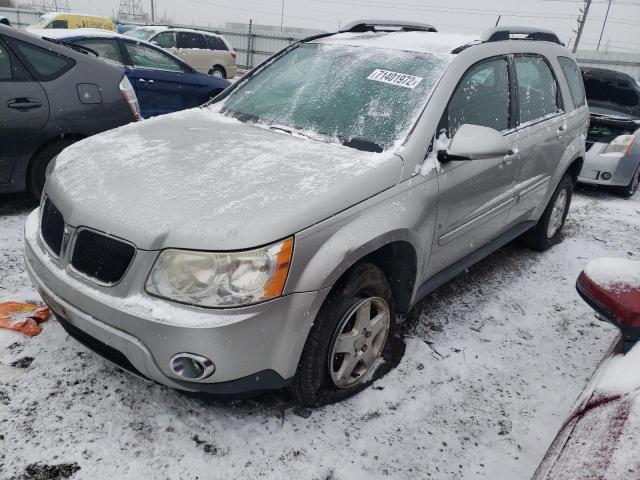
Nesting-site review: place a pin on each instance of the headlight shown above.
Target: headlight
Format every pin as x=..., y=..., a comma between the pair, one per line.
x=224, y=279
x=621, y=144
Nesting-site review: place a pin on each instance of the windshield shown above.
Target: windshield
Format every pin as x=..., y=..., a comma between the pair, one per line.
x=140, y=33
x=361, y=97
x=42, y=21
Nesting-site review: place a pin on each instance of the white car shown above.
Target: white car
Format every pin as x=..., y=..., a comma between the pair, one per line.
x=205, y=51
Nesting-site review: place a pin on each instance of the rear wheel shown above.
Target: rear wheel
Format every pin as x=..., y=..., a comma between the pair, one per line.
x=218, y=72
x=349, y=340
x=632, y=188
x=548, y=230
x=38, y=169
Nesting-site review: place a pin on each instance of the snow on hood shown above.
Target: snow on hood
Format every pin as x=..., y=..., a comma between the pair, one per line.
x=197, y=179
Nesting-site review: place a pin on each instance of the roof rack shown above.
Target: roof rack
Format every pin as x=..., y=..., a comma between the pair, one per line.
x=387, y=26
x=497, y=34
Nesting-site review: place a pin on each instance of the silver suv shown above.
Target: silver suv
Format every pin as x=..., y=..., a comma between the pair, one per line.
x=270, y=238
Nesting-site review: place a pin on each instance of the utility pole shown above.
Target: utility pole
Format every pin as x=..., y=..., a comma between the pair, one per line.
x=282, y=15
x=581, y=21
x=604, y=24
x=153, y=11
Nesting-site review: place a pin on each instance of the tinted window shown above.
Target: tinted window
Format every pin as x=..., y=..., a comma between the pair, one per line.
x=538, y=91
x=574, y=79
x=191, y=40
x=5, y=64
x=165, y=40
x=44, y=64
x=216, y=43
x=58, y=24
x=481, y=98
x=104, y=47
x=146, y=57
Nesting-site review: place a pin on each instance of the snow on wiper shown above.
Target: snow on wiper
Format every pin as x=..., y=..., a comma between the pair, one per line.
x=291, y=131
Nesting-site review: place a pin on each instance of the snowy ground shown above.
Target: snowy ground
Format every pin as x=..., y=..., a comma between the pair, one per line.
x=493, y=364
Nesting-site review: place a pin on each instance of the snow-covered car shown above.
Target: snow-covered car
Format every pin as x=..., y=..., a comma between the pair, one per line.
x=269, y=238
x=613, y=141
x=600, y=438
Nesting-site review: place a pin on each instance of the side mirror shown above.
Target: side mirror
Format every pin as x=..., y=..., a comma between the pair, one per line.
x=473, y=142
x=611, y=286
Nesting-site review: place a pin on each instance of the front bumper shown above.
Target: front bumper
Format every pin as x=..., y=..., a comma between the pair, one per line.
x=597, y=162
x=253, y=348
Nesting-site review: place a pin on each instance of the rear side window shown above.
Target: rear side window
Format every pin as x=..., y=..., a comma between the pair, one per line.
x=45, y=65
x=104, y=47
x=574, y=79
x=145, y=57
x=59, y=24
x=216, y=43
x=5, y=64
x=481, y=98
x=191, y=40
x=538, y=92
x=165, y=40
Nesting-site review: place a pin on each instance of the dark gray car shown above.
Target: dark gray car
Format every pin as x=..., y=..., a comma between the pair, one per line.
x=52, y=95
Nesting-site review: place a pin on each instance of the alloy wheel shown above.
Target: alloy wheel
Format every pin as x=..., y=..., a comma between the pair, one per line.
x=557, y=214
x=359, y=341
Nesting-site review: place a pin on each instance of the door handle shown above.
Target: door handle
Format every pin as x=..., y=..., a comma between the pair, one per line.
x=23, y=104
x=562, y=128
x=508, y=158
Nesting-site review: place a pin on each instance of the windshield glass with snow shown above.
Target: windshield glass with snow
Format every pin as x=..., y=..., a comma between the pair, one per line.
x=366, y=98
x=140, y=33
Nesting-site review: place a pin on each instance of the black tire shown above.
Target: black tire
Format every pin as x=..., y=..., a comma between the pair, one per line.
x=632, y=188
x=538, y=237
x=218, y=72
x=312, y=385
x=37, y=174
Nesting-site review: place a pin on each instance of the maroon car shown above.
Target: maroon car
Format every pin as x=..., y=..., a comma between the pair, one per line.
x=601, y=438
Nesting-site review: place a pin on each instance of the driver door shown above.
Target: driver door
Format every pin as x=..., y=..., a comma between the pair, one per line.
x=475, y=195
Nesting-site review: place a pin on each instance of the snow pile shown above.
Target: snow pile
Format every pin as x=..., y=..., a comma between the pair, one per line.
x=614, y=272
x=431, y=163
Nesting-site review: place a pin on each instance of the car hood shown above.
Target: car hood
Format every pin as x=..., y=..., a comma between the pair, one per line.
x=197, y=179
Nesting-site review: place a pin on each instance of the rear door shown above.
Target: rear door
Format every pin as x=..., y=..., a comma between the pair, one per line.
x=542, y=130
x=24, y=110
x=475, y=195
x=193, y=49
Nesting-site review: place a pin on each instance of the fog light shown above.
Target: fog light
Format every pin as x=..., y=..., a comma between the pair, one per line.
x=191, y=367
x=605, y=175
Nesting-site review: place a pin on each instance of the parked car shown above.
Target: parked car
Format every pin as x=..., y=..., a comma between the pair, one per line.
x=284, y=225
x=600, y=438
x=613, y=146
x=52, y=95
x=163, y=83
x=72, y=20
x=207, y=52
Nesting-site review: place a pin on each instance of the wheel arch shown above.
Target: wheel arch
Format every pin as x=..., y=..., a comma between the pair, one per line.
x=26, y=174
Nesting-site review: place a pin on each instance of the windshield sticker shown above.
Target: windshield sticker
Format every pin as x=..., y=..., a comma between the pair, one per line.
x=395, y=78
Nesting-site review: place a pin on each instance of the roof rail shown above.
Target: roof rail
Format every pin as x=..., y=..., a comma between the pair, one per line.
x=497, y=34
x=387, y=26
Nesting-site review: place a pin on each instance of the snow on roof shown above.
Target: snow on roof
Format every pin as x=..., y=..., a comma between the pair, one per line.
x=62, y=33
x=428, y=42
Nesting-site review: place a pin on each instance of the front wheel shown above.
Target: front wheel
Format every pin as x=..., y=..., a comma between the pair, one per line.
x=547, y=232
x=39, y=169
x=349, y=340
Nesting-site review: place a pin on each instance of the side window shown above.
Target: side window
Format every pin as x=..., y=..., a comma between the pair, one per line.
x=145, y=57
x=574, y=79
x=538, y=91
x=5, y=64
x=104, y=47
x=216, y=43
x=481, y=98
x=58, y=24
x=191, y=40
x=44, y=64
x=165, y=40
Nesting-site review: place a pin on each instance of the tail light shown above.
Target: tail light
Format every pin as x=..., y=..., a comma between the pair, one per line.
x=621, y=144
x=130, y=96
x=233, y=54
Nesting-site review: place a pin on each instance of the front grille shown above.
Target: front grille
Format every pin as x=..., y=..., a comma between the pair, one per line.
x=101, y=258
x=52, y=226
x=102, y=349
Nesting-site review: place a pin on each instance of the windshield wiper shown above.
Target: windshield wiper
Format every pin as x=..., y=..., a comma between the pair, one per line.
x=362, y=144
x=78, y=48
x=291, y=131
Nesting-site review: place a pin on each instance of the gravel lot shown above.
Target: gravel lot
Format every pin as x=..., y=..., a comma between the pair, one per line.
x=493, y=363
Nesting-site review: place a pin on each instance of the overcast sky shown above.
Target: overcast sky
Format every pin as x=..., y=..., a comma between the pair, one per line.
x=464, y=16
